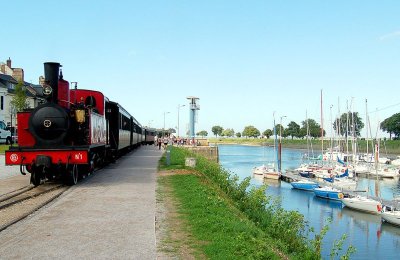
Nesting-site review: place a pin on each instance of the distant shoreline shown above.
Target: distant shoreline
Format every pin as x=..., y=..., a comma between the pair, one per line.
x=388, y=148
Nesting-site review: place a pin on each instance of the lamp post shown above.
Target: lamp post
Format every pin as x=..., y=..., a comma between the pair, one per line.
x=179, y=107
x=164, y=123
x=280, y=146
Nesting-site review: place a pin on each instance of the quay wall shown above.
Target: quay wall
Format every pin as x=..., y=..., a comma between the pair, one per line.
x=209, y=152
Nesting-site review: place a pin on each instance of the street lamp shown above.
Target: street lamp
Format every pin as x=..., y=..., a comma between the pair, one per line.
x=179, y=107
x=164, y=123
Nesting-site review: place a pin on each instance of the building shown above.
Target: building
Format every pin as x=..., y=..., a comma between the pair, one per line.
x=9, y=78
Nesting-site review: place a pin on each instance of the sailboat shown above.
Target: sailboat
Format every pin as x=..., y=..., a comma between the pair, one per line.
x=268, y=171
x=304, y=185
x=364, y=203
x=391, y=215
x=328, y=192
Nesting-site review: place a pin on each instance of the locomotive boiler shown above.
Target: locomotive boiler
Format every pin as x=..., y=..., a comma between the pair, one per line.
x=70, y=134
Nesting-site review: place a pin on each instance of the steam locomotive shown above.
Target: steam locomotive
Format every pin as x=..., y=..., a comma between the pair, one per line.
x=73, y=132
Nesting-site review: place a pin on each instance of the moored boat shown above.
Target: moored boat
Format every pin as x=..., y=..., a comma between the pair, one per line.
x=304, y=185
x=327, y=192
x=259, y=170
x=267, y=171
x=391, y=215
x=363, y=204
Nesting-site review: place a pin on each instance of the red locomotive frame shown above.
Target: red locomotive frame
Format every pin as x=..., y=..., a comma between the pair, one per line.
x=75, y=131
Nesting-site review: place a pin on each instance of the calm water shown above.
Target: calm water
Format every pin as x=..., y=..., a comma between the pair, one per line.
x=372, y=239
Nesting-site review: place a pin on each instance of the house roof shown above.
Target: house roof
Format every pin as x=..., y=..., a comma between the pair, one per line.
x=8, y=78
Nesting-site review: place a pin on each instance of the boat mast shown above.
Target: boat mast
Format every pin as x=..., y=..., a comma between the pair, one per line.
x=275, y=141
x=322, y=131
x=366, y=120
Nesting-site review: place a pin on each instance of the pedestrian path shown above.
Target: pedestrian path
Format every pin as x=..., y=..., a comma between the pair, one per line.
x=110, y=215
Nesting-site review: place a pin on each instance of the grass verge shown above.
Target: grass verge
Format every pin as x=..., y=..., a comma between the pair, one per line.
x=230, y=220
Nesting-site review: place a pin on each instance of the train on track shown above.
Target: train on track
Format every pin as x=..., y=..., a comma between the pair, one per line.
x=73, y=132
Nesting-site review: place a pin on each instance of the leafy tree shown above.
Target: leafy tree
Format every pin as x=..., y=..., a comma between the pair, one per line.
x=313, y=127
x=19, y=101
x=302, y=132
x=251, y=131
x=217, y=130
x=229, y=132
x=392, y=125
x=279, y=129
x=268, y=133
x=348, y=130
x=293, y=129
x=202, y=133
x=238, y=135
x=286, y=133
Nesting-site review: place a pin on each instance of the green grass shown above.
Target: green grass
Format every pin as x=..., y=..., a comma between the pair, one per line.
x=3, y=148
x=221, y=230
x=214, y=201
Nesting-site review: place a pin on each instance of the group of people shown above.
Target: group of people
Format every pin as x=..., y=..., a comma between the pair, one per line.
x=172, y=140
x=161, y=141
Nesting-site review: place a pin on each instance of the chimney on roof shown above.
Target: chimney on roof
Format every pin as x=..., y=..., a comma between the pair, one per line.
x=18, y=74
x=41, y=80
x=9, y=62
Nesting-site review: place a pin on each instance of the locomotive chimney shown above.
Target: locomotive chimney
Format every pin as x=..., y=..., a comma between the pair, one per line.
x=51, y=74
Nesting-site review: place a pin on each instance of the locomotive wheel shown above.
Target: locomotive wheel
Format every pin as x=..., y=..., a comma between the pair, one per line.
x=36, y=176
x=90, y=168
x=72, y=175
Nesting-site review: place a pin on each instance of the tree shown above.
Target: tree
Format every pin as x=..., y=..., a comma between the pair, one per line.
x=346, y=124
x=238, y=135
x=314, y=129
x=251, y=131
x=268, y=133
x=202, y=133
x=302, y=132
x=293, y=129
x=392, y=125
x=217, y=130
x=279, y=128
x=19, y=101
x=229, y=132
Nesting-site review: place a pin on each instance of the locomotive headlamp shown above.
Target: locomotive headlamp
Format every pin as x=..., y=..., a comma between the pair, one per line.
x=47, y=90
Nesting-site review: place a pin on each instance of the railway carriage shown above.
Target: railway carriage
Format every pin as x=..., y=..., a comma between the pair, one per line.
x=75, y=131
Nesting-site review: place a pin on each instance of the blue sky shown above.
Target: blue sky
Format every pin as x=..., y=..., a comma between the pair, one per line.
x=243, y=59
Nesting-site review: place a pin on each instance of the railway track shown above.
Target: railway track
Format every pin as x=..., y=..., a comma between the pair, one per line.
x=18, y=204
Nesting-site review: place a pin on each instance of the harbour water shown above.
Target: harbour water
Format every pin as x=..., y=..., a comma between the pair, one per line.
x=371, y=238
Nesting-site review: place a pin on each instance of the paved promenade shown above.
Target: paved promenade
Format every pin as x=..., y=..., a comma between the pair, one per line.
x=110, y=215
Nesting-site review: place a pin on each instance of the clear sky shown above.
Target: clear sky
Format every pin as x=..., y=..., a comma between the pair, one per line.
x=243, y=59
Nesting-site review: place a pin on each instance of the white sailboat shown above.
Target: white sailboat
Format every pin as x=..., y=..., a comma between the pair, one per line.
x=268, y=171
x=363, y=204
x=391, y=215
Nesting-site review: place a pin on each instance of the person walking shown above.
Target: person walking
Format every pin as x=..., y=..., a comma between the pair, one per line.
x=159, y=143
x=165, y=142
